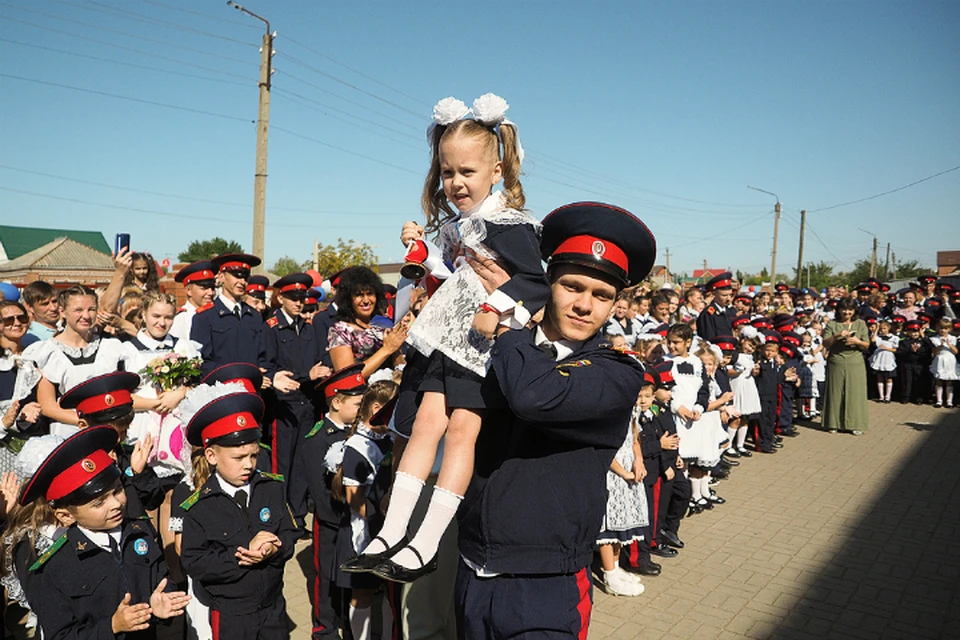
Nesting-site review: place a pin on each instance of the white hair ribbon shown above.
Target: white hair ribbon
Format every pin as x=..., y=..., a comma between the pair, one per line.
x=489, y=110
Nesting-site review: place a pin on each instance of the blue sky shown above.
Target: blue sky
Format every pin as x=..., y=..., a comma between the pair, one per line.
x=667, y=109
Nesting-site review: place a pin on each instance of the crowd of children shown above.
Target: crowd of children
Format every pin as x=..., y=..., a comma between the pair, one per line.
x=162, y=464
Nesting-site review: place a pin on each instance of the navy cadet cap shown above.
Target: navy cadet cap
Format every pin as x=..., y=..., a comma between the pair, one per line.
x=80, y=466
x=229, y=421
x=202, y=273
x=740, y=320
x=243, y=373
x=314, y=296
x=926, y=279
x=257, y=286
x=726, y=343
x=665, y=373
x=788, y=350
x=294, y=285
x=104, y=397
x=781, y=287
x=721, y=281
x=600, y=236
x=771, y=336
x=348, y=381
x=745, y=297
x=236, y=262
x=782, y=321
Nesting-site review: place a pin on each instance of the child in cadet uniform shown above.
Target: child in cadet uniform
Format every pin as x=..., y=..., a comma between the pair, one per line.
x=321, y=451
x=626, y=519
x=675, y=490
x=912, y=352
x=726, y=374
x=362, y=481
x=883, y=361
x=107, y=400
x=768, y=374
x=791, y=380
x=105, y=577
x=238, y=531
x=943, y=347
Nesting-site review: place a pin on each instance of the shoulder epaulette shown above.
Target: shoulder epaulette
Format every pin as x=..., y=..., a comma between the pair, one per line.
x=181, y=310
x=273, y=321
x=265, y=446
x=655, y=409
x=209, y=305
x=273, y=476
x=192, y=500
x=143, y=517
x=711, y=310
x=62, y=540
x=315, y=430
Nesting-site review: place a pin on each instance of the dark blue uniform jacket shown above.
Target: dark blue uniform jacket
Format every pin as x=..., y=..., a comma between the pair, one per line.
x=225, y=339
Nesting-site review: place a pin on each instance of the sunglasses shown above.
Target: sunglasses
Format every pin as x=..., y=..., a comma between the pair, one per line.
x=22, y=319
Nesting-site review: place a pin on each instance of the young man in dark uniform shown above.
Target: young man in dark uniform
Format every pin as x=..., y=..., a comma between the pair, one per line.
x=292, y=364
x=105, y=577
x=199, y=281
x=256, y=295
x=237, y=528
x=716, y=318
x=560, y=403
x=342, y=392
x=230, y=330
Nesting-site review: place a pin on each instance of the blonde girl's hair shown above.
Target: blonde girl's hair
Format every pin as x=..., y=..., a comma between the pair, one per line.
x=200, y=471
x=150, y=298
x=24, y=524
x=378, y=393
x=503, y=147
x=704, y=351
x=63, y=298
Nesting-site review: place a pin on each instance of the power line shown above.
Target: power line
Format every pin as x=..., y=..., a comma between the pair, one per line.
x=345, y=150
x=722, y=233
x=128, y=98
x=126, y=34
x=126, y=64
x=208, y=16
x=886, y=193
x=130, y=49
x=351, y=69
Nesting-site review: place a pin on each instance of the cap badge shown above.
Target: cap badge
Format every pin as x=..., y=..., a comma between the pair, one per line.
x=88, y=465
x=241, y=421
x=108, y=400
x=598, y=249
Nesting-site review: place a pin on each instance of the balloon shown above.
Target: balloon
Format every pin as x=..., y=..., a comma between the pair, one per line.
x=317, y=278
x=752, y=288
x=9, y=291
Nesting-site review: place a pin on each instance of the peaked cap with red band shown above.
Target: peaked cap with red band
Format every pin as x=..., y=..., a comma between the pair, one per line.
x=236, y=262
x=229, y=421
x=102, y=398
x=913, y=325
x=721, y=281
x=739, y=321
x=294, y=285
x=77, y=461
x=202, y=272
x=665, y=371
x=348, y=381
x=244, y=373
x=599, y=236
x=314, y=296
x=257, y=286
x=726, y=343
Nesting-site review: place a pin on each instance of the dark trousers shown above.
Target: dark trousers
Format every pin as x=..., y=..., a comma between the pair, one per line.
x=910, y=387
x=269, y=623
x=513, y=606
x=767, y=423
x=785, y=419
x=327, y=598
x=674, y=499
x=294, y=421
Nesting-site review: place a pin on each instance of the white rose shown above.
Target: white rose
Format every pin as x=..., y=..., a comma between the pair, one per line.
x=164, y=369
x=490, y=109
x=449, y=110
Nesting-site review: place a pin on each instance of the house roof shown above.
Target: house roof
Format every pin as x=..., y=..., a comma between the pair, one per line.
x=61, y=253
x=700, y=273
x=18, y=241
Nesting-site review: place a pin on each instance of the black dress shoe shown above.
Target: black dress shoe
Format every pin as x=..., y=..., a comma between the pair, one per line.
x=367, y=561
x=770, y=450
x=778, y=445
x=694, y=509
x=790, y=433
x=721, y=474
x=705, y=504
x=390, y=570
x=729, y=462
x=715, y=499
x=663, y=551
x=732, y=453
x=670, y=538
x=778, y=439
x=745, y=453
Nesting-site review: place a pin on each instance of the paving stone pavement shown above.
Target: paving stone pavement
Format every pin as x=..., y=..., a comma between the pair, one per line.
x=834, y=537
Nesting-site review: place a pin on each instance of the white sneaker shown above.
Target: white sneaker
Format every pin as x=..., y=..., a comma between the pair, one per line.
x=632, y=577
x=616, y=584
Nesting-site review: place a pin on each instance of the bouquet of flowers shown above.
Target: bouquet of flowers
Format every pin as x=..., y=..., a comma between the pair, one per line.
x=172, y=370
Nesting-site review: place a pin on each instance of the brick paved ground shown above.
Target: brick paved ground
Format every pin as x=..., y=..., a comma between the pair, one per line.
x=833, y=537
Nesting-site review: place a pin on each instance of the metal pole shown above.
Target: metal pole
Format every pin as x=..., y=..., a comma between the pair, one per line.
x=803, y=224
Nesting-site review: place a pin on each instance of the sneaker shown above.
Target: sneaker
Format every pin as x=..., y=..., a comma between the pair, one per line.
x=617, y=584
x=857, y=432
x=632, y=577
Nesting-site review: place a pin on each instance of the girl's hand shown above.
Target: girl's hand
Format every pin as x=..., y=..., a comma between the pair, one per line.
x=31, y=412
x=10, y=417
x=485, y=323
x=9, y=492
x=169, y=400
x=141, y=452
x=123, y=260
x=411, y=231
x=685, y=413
x=627, y=475
x=639, y=470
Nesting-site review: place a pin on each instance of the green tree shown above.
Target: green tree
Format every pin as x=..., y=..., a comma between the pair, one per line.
x=207, y=249
x=333, y=258
x=861, y=271
x=821, y=275
x=285, y=266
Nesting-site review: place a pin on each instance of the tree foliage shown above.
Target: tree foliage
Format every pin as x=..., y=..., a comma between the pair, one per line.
x=861, y=271
x=821, y=275
x=207, y=249
x=333, y=258
x=285, y=266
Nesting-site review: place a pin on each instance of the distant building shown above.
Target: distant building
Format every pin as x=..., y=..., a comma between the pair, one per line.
x=58, y=256
x=948, y=263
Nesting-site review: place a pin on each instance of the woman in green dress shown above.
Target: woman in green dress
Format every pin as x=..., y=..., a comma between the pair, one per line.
x=846, y=338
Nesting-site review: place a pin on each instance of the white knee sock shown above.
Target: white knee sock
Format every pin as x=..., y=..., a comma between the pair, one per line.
x=705, y=486
x=360, y=623
x=939, y=388
x=442, y=509
x=889, y=389
x=949, y=386
x=695, y=494
x=403, y=498
x=741, y=436
x=731, y=433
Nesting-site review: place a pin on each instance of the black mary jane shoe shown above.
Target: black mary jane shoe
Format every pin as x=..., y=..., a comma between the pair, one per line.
x=694, y=509
x=367, y=561
x=732, y=453
x=664, y=551
x=724, y=460
x=390, y=570
x=715, y=499
x=744, y=453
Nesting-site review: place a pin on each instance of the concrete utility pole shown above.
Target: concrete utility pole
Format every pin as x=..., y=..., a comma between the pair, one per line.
x=263, y=129
x=669, y=278
x=893, y=264
x=776, y=230
x=803, y=224
x=886, y=267
x=873, y=259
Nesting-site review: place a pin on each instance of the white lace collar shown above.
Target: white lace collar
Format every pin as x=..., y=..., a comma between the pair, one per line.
x=152, y=343
x=366, y=432
x=493, y=202
x=79, y=352
x=8, y=360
